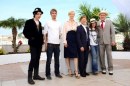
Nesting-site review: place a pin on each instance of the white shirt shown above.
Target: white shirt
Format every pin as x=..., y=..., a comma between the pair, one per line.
x=53, y=28
x=37, y=22
x=93, y=38
x=84, y=26
x=68, y=27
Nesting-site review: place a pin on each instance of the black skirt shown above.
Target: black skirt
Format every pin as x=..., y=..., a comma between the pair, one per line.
x=71, y=51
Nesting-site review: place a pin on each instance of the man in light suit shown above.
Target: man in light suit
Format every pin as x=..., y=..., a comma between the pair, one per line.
x=106, y=34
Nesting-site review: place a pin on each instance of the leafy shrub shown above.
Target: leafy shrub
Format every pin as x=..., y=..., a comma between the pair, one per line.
x=2, y=52
x=114, y=48
x=126, y=43
x=28, y=51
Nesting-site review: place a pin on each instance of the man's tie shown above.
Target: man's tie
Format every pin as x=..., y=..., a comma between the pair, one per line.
x=102, y=25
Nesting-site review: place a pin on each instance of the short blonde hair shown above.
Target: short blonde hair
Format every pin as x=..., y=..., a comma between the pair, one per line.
x=71, y=12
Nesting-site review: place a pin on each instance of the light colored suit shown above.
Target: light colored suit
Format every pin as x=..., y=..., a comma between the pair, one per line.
x=106, y=36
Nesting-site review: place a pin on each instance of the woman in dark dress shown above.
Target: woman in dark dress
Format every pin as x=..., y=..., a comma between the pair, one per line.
x=70, y=44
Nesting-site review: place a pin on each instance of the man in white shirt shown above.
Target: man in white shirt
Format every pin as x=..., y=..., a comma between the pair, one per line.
x=52, y=34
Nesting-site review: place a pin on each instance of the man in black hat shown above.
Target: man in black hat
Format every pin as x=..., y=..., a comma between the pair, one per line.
x=33, y=32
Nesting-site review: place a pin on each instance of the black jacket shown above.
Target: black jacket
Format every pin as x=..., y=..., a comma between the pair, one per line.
x=31, y=32
x=83, y=38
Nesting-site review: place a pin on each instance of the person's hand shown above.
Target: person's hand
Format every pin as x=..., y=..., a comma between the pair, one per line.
x=65, y=44
x=113, y=43
x=45, y=45
x=89, y=48
x=82, y=49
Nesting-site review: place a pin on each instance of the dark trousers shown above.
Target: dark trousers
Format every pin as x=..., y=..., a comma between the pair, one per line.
x=52, y=48
x=83, y=60
x=35, y=57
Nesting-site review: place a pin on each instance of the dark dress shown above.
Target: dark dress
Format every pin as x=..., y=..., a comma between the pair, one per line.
x=71, y=50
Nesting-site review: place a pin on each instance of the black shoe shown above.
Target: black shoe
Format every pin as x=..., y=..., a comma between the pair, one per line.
x=36, y=75
x=83, y=75
x=104, y=72
x=87, y=74
x=110, y=72
x=59, y=76
x=49, y=77
x=95, y=73
x=38, y=78
x=30, y=80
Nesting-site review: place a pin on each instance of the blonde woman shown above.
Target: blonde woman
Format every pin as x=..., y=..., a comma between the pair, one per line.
x=70, y=44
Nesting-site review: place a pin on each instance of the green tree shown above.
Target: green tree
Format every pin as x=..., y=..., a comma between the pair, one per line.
x=13, y=24
x=85, y=9
x=122, y=24
x=95, y=13
x=126, y=43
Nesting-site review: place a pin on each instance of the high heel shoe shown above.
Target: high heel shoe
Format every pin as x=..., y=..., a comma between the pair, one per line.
x=77, y=75
x=70, y=73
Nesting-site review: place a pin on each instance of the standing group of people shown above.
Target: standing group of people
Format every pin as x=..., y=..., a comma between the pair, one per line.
x=79, y=40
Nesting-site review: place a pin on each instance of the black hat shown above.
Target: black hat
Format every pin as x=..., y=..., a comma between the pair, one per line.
x=37, y=10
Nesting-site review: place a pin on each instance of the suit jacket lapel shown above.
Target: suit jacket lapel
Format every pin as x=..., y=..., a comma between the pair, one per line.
x=36, y=25
x=86, y=34
x=83, y=29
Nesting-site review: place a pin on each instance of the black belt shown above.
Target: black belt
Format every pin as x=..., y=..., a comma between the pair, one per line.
x=53, y=44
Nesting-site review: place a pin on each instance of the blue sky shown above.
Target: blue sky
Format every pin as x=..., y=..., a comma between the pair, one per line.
x=24, y=9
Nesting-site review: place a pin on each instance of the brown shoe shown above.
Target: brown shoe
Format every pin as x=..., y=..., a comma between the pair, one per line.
x=77, y=75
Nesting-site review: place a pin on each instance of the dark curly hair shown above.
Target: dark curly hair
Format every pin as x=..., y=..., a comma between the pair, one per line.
x=90, y=26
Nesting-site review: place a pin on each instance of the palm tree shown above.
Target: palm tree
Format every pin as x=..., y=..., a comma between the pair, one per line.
x=95, y=13
x=85, y=9
x=122, y=24
x=13, y=24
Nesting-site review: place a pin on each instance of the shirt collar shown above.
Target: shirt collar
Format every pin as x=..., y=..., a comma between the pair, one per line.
x=54, y=20
x=84, y=25
x=36, y=20
x=104, y=20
